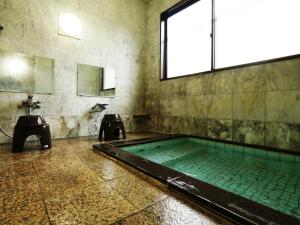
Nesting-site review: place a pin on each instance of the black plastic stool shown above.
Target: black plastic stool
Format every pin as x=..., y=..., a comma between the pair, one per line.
x=111, y=126
x=31, y=125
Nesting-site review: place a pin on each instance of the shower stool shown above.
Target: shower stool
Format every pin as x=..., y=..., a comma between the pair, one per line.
x=31, y=125
x=111, y=126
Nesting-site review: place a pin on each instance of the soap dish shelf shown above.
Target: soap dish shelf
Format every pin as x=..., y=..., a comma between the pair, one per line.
x=140, y=118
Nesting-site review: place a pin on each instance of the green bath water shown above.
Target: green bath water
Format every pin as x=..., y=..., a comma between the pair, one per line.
x=269, y=178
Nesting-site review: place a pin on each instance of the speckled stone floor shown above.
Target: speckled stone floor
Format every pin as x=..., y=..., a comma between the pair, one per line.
x=74, y=184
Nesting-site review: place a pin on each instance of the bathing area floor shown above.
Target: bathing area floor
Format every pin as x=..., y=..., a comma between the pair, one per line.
x=74, y=184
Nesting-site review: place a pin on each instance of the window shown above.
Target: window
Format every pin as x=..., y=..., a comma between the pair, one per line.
x=200, y=36
x=192, y=27
x=186, y=39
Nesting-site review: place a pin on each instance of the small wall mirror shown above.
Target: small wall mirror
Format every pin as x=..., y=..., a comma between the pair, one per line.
x=95, y=81
x=22, y=73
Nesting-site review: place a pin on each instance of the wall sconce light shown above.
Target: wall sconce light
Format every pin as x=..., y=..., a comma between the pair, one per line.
x=69, y=25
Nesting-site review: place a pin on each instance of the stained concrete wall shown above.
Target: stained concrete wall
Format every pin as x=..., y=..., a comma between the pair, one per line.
x=113, y=36
x=256, y=104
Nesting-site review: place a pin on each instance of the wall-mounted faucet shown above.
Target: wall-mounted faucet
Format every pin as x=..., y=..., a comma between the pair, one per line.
x=29, y=104
x=98, y=107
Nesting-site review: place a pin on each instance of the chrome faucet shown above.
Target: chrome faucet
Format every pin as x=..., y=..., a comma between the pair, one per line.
x=29, y=104
x=98, y=107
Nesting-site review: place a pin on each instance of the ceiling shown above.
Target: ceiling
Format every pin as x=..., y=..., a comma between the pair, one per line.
x=146, y=1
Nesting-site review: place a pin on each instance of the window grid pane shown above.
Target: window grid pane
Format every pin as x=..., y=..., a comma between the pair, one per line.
x=189, y=43
x=242, y=38
x=244, y=32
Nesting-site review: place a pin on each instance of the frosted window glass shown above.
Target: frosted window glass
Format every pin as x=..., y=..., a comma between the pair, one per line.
x=255, y=30
x=189, y=42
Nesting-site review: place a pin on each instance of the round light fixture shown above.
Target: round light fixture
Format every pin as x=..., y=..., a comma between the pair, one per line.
x=70, y=24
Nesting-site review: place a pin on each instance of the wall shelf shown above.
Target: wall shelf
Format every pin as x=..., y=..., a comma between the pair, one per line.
x=141, y=118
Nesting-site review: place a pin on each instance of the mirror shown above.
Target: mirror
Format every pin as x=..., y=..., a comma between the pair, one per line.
x=95, y=81
x=109, y=79
x=22, y=73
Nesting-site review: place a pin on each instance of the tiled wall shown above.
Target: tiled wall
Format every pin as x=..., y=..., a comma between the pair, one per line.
x=257, y=104
x=113, y=36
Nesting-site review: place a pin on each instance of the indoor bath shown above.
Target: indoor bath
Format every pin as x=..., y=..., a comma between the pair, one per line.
x=149, y=112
